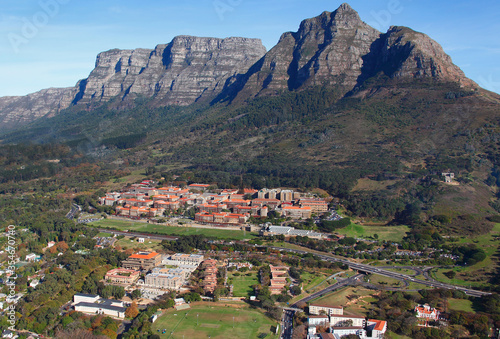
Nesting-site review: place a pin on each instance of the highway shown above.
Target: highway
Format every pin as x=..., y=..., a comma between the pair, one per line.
x=387, y=273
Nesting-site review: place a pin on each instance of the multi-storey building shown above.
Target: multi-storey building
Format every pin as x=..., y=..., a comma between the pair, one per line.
x=143, y=261
x=122, y=276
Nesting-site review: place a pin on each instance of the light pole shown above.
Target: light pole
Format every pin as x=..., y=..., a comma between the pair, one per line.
x=233, y=321
x=197, y=314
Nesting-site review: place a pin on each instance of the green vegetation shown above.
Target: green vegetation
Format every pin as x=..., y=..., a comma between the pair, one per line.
x=243, y=282
x=216, y=321
x=128, y=242
x=463, y=305
x=124, y=225
x=385, y=233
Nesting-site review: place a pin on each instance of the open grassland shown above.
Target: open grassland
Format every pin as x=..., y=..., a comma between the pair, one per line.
x=383, y=281
x=460, y=305
x=142, y=227
x=207, y=321
x=355, y=300
x=388, y=233
x=147, y=245
x=242, y=284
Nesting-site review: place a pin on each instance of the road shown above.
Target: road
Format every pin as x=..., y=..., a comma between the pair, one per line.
x=136, y=234
x=74, y=209
x=287, y=318
x=386, y=273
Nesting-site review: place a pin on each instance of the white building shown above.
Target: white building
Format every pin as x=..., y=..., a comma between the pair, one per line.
x=93, y=304
x=181, y=259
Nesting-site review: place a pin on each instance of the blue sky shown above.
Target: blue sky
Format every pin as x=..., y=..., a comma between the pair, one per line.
x=53, y=43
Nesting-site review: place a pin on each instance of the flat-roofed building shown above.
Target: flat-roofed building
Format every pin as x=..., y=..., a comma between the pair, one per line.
x=326, y=309
x=164, y=280
x=94, y=304
x=180, y=259
x=296, y=212
x=142, y=261
x=316, y=205
x=347, y=320
x=122, y=276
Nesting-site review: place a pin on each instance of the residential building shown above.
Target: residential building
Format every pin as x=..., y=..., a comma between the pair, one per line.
x=316, y=205
x=286, y=195
x=180, y=259
x=319, y=320
x=337, y=320
x=164, y=279
x=31, y=257
x=210, y=275
x=318, y=309
x=296, y=212
x=377, y=328
x=426, y=312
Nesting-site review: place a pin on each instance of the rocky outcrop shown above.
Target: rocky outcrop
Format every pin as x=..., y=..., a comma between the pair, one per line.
x=16, y=111
x=338, y=49
x=404, y=53
x=178, y=73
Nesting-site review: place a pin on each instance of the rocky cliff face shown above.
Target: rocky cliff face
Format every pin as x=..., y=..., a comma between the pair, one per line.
x=338, y=49
x=179, y=73
x=20, y=110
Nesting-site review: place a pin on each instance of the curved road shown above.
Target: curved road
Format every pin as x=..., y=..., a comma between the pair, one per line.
x=386, y=273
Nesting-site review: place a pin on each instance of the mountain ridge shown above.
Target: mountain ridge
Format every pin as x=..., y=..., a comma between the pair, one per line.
x=333, y=49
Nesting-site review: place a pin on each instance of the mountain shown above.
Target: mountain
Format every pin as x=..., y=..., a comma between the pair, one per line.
x=339, y=49
x=371, y=117
x=182, y=72
x=334, y=49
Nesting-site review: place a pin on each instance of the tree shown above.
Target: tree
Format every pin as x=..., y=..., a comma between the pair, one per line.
x=132, y=311
x=136, y=294
x=296, y=290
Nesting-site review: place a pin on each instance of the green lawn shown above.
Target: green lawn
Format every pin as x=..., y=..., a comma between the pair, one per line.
x=171, y=230
x=204, y=321
x=242, y=284
x=384, y=281
x=460, y=305
x=148, y=244
x=389, y=233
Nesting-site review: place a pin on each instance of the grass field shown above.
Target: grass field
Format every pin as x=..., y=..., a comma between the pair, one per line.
x=384, y=281
x=242, y=285
x=356, y=300
x=460, y=305
x=148, y=244
x=171, y=230
x=205, y=321
x=388, y=233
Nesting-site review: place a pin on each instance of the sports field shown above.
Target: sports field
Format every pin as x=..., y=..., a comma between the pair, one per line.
x=242, y=284
x=171, y=230
x=217, y=322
